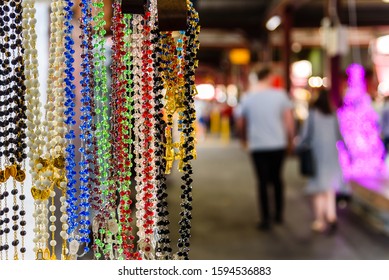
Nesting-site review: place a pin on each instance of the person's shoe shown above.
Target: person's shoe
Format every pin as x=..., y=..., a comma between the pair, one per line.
x=318, y=227
x=332, y=228
x=264, y=226
x=279, y=220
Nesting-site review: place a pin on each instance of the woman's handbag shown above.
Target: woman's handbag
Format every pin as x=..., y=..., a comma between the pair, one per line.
x=305, y=153
x=307, y=162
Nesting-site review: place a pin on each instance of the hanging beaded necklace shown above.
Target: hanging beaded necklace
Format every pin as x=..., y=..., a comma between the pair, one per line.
x=102, y=126
x=47, y=139
x=116, y=245
x=79, y=214
x=146, y=242
x=70, y=122
x=189, y=118
x=13, y=124
x=136, y=51
x=123, y=90
x=177, y=64
x=112, y=230
x=169, y=77
x=53, y=158
x=106, y=229
x=33, y=113
x=6, y=100
x=163, y=248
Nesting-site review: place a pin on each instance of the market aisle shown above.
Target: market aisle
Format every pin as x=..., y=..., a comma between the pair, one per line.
x=225, y=215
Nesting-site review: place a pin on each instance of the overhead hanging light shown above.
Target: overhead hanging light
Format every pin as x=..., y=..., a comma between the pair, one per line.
x=382, y=43
x=273, y=23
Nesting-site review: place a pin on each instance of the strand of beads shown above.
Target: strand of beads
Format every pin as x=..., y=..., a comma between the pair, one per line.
x=5, y=37
x=93, y=158
x=146, y=242
x=168, y=77
x=192, y=45
x=34, y=132
x=163, y=249
x=4, y=230
x=19, y=117
x=106, y=227
x=120, y=125
x=79, y=230
x=3, y=83
x=13, y=120
x=7, y=102
x=70, y=122
x=102, y=125
x=136, y=51
x=53, y=159
x=176, y=65
x=1, y=222
x=125, y=218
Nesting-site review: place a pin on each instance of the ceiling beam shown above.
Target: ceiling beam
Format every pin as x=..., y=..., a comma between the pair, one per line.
x=311, y=16
x=277, y=7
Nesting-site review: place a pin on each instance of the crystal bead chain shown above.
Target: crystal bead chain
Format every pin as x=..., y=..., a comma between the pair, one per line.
x=136, y=51
x=125, y=211
x=102, y=125
x=119, y=122
x=79, y=214
x=70, y=136
x=192, y=45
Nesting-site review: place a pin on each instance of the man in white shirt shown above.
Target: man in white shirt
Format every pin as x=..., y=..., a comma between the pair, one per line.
x=266, y=121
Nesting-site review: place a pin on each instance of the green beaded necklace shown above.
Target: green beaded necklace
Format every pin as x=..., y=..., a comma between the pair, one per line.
x=102, y=123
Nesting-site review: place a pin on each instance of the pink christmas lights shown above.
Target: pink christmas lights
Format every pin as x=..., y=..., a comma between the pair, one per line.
x=364, y=155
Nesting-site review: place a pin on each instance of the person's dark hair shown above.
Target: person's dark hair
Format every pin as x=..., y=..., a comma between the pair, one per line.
x=263, y=73
x=322, y=102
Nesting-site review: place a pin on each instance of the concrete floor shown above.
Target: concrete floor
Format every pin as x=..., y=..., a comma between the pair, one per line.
x=225, y=215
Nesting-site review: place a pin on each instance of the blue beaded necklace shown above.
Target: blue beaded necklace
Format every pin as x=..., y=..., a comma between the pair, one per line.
x=79, y=215
x=69, y=119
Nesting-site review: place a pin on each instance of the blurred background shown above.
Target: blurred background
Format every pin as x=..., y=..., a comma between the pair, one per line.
x=309, y=44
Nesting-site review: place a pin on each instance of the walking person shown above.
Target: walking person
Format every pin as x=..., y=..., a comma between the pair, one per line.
x=328, y=176
x=266, y=121
x=384, y=123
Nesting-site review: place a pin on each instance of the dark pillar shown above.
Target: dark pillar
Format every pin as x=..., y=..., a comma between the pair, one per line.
x=287, y=23
x=335, y=61
x=335, y=91
x=265, y=49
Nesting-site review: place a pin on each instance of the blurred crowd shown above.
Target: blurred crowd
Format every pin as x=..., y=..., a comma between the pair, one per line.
x=266, y=123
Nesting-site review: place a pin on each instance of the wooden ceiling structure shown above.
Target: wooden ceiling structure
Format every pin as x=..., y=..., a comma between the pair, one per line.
x=244, y=20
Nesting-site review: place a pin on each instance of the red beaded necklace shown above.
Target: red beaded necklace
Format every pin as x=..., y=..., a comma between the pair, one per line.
x=121, y=118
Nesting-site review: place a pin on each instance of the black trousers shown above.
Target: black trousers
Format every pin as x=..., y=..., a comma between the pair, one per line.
x=268, y=168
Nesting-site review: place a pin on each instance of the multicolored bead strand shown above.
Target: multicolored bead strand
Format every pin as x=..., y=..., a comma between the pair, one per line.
x=132, y=123
x=176, y=63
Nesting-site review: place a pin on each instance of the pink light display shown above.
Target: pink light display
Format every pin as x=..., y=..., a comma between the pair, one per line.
x=359, y=125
